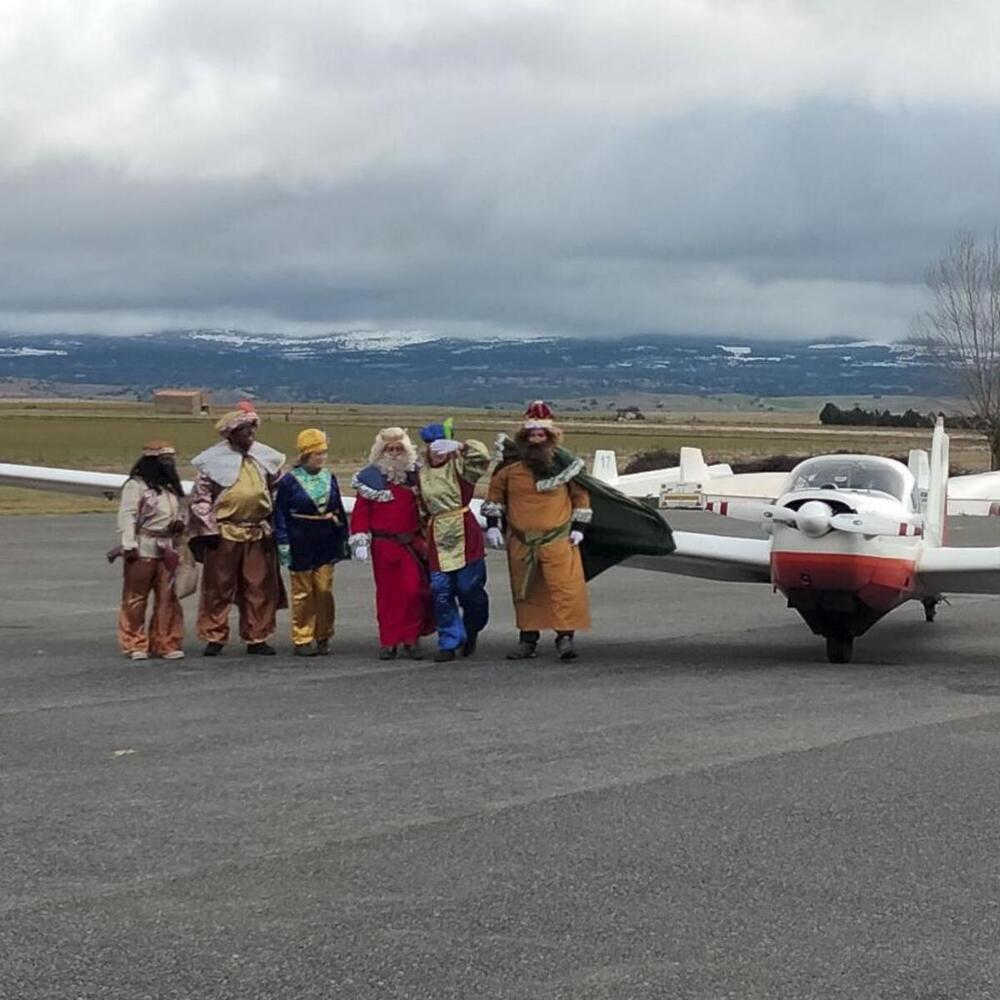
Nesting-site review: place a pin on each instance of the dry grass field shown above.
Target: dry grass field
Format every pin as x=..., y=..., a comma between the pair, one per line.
x=107, y=436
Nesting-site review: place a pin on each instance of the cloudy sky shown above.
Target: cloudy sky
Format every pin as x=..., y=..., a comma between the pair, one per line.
x=592, y=167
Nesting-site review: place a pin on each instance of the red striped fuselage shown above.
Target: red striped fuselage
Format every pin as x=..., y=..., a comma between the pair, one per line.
x=879, y=582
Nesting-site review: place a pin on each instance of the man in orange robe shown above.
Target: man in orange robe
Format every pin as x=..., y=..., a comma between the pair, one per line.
x=545, y=513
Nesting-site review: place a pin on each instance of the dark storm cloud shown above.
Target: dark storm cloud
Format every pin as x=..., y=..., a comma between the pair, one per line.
x=449, y=174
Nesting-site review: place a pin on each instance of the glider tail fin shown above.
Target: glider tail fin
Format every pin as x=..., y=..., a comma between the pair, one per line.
x=605, y=467
x=694, y=472
x=936, y=508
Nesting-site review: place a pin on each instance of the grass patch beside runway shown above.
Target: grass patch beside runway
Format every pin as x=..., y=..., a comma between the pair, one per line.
x=105, y=436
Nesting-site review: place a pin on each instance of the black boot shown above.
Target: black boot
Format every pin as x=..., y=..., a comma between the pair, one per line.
x=413, y=651
x=212, y=649
x=470, y=645
x=527, y=644
x=444, y=656
x=260, y=649
x=387, y=653
x=564, y=646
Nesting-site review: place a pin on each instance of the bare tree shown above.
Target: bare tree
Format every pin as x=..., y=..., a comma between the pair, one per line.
x=961, y=329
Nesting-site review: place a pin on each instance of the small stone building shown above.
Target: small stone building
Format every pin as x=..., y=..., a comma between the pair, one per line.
x=191, y=402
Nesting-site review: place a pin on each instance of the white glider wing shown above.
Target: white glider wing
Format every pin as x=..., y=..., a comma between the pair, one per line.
x=93, y=484
x=33, y=477
x=947, y=570
x=713, y=557
x=978, y=494
x=684, y=478
x=745, y=486
x=710, y=557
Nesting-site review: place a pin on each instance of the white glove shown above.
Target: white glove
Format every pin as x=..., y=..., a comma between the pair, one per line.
x=575, y=537
x=444, y=446
x=361, y=553
x=494, y=536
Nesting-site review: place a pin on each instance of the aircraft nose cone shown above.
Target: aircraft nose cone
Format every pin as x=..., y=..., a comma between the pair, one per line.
x=813, y=518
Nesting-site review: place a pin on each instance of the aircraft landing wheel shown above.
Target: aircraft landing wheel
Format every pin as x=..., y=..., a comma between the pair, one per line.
x=839, y=648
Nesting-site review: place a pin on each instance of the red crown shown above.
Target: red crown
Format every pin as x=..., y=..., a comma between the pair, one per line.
x=538, y=410
x=538, y=414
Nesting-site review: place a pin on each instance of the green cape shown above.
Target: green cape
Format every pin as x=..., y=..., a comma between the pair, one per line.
x=621, y=526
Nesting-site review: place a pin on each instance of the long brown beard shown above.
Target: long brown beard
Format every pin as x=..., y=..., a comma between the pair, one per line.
x=539, y=458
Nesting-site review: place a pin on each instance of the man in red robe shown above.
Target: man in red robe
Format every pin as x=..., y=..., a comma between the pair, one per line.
x=386, y=527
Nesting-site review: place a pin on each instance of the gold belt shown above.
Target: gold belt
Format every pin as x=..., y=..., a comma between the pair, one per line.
x=450, y=513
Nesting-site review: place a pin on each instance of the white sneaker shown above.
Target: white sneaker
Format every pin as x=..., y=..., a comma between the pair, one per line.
x=139, y=654
x=174, y=654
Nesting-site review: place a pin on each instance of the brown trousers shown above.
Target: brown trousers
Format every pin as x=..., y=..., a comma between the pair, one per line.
x=166, y=627
x=245, y=574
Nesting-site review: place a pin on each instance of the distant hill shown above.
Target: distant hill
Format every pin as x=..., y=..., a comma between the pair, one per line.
x=417, y=368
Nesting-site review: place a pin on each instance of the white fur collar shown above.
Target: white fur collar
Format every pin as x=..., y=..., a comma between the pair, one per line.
x=222, y=462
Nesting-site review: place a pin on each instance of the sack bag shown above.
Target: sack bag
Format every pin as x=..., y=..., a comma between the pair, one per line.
x=188, y=572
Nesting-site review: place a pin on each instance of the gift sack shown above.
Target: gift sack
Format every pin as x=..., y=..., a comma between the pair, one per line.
x=188, y=572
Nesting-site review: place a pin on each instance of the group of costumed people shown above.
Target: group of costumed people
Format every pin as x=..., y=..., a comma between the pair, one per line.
x=412, y=520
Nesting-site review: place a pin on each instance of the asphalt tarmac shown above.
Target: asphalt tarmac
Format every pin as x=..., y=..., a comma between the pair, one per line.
x=701, y=807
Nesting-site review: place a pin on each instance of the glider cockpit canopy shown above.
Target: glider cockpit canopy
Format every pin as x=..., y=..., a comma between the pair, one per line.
x=853, y=474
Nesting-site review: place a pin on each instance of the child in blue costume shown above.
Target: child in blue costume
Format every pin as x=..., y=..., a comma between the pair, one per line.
x=311, y=529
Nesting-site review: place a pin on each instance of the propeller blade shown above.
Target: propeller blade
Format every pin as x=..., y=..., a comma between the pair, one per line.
x=872, y=525
x=772, y=512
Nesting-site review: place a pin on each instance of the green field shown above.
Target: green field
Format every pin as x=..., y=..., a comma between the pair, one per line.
x=108, y=436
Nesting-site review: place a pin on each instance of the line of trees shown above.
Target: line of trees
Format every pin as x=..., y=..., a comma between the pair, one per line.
x=859, y=417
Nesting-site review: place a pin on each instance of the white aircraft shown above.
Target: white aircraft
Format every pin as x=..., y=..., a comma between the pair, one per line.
x=848, y=538
x=851, y=537
x=687, y=484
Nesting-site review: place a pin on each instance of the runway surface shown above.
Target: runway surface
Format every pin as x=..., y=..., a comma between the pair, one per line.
x=702, y=807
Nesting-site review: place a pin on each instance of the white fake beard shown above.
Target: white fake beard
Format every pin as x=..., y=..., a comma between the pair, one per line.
x=395, y=469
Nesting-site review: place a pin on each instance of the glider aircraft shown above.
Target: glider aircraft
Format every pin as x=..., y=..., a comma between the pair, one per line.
x=848, y=538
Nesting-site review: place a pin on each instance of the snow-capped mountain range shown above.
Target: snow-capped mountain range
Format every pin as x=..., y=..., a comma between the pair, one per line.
x=418, y=367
